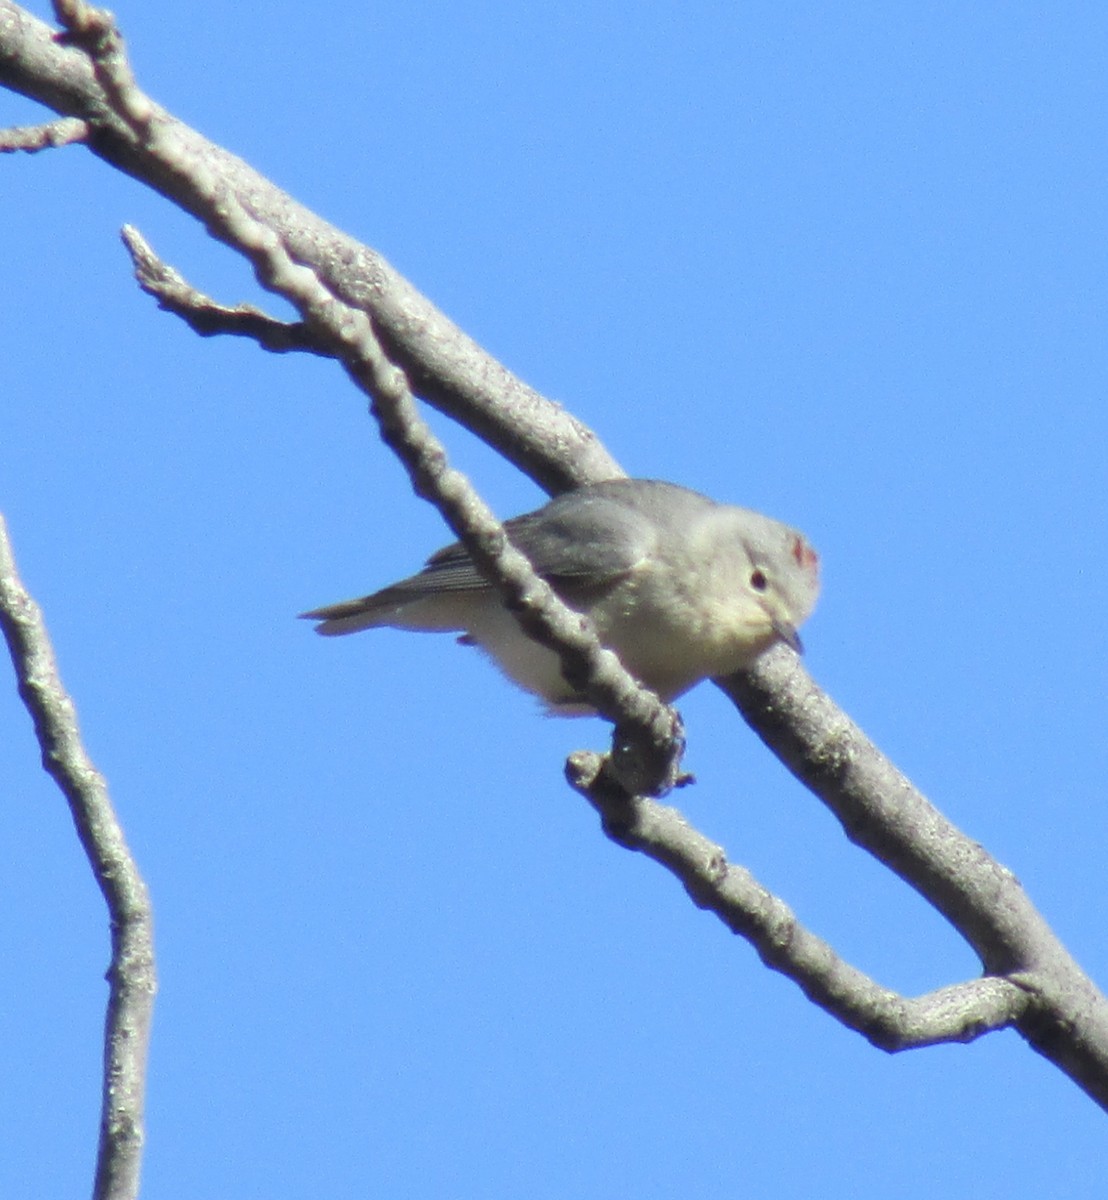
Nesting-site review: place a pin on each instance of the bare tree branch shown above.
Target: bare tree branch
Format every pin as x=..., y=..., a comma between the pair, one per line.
x=883, y=812
x=959, y=1013
x=131, y=976
x=351, y=299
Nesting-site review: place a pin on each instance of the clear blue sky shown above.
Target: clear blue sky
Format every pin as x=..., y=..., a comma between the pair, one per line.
x=847, y=264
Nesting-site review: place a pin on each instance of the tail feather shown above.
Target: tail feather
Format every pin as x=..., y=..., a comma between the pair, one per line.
x=401, y=606
x=350, y=616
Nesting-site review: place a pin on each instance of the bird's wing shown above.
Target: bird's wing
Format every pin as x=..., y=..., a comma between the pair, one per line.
x=574, y=541
x=580, y=543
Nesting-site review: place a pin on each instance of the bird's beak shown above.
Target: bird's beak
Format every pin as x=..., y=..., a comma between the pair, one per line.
x=786, y=631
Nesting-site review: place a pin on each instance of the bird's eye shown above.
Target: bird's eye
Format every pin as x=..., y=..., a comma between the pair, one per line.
x=758, y=581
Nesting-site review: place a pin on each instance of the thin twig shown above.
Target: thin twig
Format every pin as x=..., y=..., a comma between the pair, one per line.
x=131, y=977
x=31, y=138
x=207, y=317
x=959, y=1013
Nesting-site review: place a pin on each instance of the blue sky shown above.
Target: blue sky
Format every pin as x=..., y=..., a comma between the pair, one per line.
x=847, y=264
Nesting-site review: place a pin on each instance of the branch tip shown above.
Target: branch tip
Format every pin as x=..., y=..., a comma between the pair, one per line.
x=50, y=135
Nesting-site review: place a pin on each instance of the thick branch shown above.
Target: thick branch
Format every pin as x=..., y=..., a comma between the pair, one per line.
x=131, y=974
x=883, y=812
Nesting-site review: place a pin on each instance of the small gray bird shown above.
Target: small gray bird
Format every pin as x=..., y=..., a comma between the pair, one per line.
x=680, y=587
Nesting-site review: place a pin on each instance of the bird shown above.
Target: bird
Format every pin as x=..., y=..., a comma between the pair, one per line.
x=680, y=587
